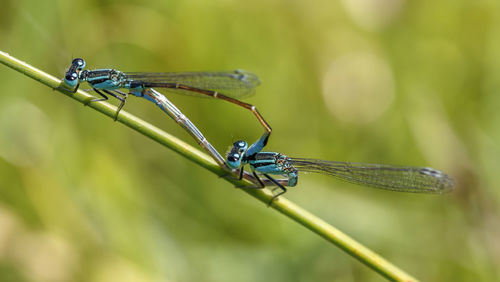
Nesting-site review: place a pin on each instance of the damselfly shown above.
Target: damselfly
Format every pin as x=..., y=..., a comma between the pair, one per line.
x=395, y=178
x=226, y=86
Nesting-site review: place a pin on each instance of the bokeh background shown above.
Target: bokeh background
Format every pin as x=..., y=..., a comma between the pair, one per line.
x=83, y=198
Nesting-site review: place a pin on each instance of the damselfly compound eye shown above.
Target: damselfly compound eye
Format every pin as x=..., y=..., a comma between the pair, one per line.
x=240, y=144
x=71, y=76
x=233, y=157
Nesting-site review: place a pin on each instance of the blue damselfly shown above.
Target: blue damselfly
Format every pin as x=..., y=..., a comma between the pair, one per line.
x=388, y=177
x=226, y=86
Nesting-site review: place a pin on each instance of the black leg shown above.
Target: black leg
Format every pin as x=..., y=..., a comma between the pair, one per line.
x=283, y=189
x=114, y=94
x=261, y=184
x=258, y=179
x=122, y=99
x=125, y=95
x=76, y=88
x=104, y=97
x=241, y=173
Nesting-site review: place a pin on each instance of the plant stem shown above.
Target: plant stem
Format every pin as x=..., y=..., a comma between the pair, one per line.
x=282, y=205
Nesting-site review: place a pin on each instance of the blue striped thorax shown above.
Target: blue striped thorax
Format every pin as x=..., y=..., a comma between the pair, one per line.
x=270, y=162
x=108, y=79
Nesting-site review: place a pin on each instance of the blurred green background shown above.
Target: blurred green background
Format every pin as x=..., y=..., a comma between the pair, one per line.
x=83, y=198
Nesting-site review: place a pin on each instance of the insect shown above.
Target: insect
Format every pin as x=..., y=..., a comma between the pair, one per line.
x=388, y=177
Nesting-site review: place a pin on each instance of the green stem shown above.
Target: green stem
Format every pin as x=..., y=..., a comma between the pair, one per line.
x=282, y=205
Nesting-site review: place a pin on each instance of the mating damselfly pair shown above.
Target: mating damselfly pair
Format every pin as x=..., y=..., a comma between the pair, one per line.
x=230, y=86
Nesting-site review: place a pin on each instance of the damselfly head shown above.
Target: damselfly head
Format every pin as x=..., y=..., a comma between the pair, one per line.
x=236, y=154
x=73, y=73
x=71, y=78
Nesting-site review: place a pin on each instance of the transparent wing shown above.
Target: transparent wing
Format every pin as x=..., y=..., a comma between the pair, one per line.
x=395, y=178
x=237, y=83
